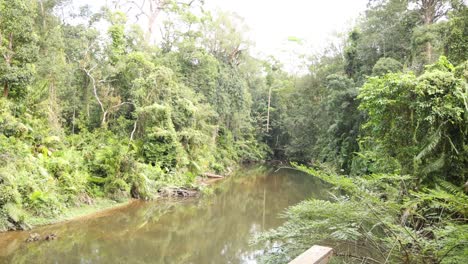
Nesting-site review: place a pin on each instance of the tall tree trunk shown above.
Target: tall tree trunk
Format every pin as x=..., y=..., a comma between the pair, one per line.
x=151, y=19
x=151, y=9
x=430, y=10
x=429, y=51
x=268, y=110
x=8, y=56
x=43, y=15
x=5, y=90
x=429, y=13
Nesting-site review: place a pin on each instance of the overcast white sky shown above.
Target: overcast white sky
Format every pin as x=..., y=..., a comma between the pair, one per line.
x=271, y=22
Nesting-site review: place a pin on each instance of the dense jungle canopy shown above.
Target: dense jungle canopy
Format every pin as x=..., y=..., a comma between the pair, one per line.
x=93, y=107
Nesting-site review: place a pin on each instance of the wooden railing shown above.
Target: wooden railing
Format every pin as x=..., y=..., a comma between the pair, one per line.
x=314, y=255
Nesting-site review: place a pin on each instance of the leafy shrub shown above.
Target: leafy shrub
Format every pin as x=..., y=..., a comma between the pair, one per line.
x=386, y=65
x=378, y=213
x=67, y=167
x=8, y=190
x=12, y=217
x=251, y=150
x=161, y=148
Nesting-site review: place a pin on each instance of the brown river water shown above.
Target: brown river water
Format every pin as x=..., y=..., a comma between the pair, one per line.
x=212, y=229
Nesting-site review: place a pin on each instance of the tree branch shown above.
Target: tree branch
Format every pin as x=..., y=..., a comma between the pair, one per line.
x=88, y=73
x=104, y=115
x=134, y=129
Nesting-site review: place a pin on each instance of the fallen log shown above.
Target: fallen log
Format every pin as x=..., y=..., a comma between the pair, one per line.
x=178, y=192
x=211, y=175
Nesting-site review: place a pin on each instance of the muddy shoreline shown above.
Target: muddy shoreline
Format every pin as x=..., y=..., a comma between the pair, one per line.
x=95, y=211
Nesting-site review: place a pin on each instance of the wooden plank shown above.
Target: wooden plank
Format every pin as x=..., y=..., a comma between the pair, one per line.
x=314, y=255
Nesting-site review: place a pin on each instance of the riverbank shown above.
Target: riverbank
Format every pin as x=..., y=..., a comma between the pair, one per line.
x=100, y=207
x=171, y=230
x=12, y=240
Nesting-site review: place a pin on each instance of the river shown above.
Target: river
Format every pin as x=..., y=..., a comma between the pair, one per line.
x=215, y=228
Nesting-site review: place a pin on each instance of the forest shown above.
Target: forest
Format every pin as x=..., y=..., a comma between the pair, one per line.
x=93, y=108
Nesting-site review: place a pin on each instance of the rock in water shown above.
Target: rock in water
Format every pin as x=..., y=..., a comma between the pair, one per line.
x=33, y=237
x=50, y=237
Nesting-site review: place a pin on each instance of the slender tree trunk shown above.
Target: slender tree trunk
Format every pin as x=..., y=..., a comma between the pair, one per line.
x=134, y=129
x=429, y=15
x=43, y=15
x=151, y=11
x=5, y=90
x=429, y=51
x=73, y=120
x=268, y=110
x=101, y=105
x=428, y=18
x=54, y=110
x=151, y=19
x=8, y=56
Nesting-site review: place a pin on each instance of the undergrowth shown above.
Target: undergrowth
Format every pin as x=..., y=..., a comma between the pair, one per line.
x=376, y=219
x=43, y=175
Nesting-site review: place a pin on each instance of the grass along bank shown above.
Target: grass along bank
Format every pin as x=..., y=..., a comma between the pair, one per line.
x=99, y=207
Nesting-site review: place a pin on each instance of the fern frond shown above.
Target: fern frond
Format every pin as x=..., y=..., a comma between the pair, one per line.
x=343, y=182
x=15, y=212
x=434, y=166
x=434, y=140
x=389, y=177
x=450, y=187
x=439, y=198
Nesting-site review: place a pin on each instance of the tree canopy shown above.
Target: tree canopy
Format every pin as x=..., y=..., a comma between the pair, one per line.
x=93, y=107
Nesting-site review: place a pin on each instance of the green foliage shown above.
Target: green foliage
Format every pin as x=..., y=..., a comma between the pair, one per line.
x=352, y=66
x=161, y=148
x=412, y=124
x=104, y=113
x=377, y=213
x=456, y=42
x=412, y=114
x=386, y=65
x=67, y=166
x=18, y=46
x=93, y=109
x=12, y=216
x=401, y=134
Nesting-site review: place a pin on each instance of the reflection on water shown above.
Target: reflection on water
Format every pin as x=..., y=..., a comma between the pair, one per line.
x=214, y=229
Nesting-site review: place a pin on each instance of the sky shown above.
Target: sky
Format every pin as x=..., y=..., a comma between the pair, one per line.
x=272, y=22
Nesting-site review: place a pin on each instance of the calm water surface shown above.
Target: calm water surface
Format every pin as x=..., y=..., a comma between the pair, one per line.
x=214, y=229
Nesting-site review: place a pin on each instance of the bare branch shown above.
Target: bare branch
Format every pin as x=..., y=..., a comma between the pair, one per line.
x=104, y=115
x=88, y=73
x=134, y=129
x=119, y=105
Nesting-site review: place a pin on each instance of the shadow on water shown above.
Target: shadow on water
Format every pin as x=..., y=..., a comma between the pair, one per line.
x=214, y=229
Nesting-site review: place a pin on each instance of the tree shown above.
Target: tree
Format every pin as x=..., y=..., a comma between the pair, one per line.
x=224, y=33
x=430, y=12
x=386, y=65
x=18, y=45
x=152, y=9
x=353, y=64
x=456, y=44
x=338, y=141
x=387, y=31
x=419, y=121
